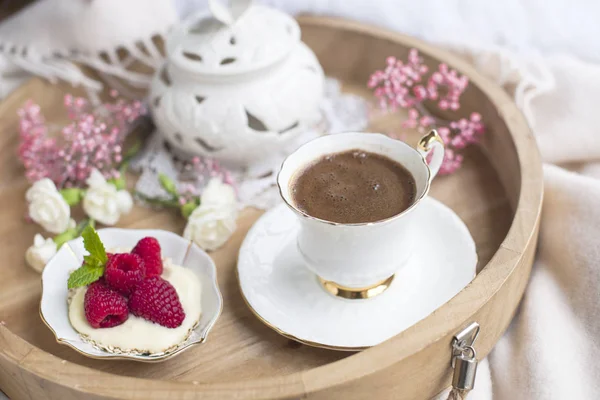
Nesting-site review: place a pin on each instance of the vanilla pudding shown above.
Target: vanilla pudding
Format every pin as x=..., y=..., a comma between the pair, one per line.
x=138, y=335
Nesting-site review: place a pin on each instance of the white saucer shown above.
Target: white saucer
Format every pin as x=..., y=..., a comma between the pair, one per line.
x=288, y=297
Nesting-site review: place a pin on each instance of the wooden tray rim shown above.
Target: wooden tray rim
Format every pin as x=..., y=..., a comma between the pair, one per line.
x=72, y=377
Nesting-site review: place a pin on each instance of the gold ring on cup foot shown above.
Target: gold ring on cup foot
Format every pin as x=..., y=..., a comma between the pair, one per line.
x=356, y=293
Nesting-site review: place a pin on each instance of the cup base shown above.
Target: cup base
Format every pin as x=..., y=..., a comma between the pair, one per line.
x=356, y=293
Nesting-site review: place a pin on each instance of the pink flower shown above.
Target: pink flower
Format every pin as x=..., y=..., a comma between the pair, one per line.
x=406, y=85
x=93, y=138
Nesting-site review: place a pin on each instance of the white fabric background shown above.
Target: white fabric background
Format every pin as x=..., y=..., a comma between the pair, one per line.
x=548, y=26
x=552, y=348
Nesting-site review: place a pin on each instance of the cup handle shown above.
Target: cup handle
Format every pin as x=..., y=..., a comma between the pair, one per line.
x=432, y=142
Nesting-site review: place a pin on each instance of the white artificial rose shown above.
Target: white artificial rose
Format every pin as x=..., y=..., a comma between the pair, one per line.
x=211, y=225
x=47, y=207
x=125, y=201
x=103, y=202
x=217, y=192
x=42, y=250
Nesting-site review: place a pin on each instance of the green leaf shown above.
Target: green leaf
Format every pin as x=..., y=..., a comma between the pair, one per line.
x=64, y=237
x=84, y=224
x=84, y=275
x=94, y=246
x=188, y=208
x=158, y=202
x=168, y=184
x=92, y=262
x=123, y=169
x=72, y=196
x=132, y=151
x=118, y=183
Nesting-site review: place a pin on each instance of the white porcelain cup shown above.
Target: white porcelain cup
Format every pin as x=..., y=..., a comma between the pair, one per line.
x=356, y=257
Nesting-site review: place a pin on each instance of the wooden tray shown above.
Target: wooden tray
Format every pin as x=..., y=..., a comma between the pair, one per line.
x=498, y=193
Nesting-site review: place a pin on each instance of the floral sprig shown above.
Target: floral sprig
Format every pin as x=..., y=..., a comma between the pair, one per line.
x=83, y=164
x=410, y=84
x=196, y=171
x=103, y=201
x=93, y=139
x=211, y=216
x=185, y=200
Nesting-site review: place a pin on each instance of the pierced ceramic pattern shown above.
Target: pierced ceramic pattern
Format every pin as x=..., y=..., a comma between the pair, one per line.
x=54, y=307
x=261, y=37
x=286, y=296
x=342, y=112
x=236, y=92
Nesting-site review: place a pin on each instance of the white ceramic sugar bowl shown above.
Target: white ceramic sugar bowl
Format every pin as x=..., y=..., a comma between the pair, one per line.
x=236, y=90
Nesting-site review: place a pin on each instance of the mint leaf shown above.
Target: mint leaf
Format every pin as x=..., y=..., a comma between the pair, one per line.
x=94, y=246
x=94, y=263
x=84, y=275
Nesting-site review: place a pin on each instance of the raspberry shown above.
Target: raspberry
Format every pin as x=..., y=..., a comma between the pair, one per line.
x=149, y=250
x=124, y=272
x=104, y=307
x=156, y=300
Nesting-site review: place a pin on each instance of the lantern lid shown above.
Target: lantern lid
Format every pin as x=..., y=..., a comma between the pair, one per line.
x=216, y=43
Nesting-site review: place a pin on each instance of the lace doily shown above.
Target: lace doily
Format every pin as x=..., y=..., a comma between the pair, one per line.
x=101, y=35
x=256, y=186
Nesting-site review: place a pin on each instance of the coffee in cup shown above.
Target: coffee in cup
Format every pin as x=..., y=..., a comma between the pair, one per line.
x=353, y=186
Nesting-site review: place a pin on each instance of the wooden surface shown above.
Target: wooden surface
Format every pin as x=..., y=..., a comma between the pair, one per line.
x=497, y=193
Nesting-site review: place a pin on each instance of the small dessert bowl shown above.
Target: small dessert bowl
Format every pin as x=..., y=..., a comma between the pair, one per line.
x=54, y=308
